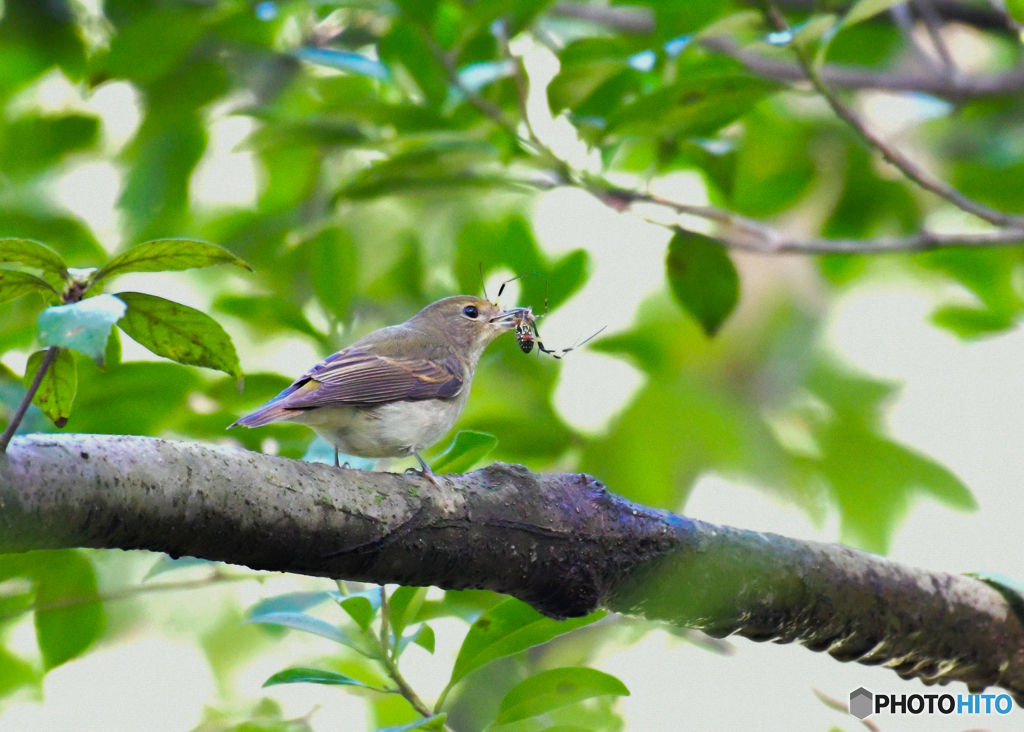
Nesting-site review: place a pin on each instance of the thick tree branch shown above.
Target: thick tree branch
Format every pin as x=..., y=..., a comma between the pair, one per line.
x=560, y=542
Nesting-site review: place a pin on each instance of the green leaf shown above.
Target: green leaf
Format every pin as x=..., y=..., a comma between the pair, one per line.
x=57, y=390
x=405, y=604
x=310, y=624
x=32, y=254
x=180, y=333
x=16, y=284
x=361, y=608
x=864, y=9
x=65, y=577
x=290, y=602
x=1016, y=9
x=972, y=322
x=313, y=676
x=168, y=255
x=423, y=636
x=435, y=721
x=467, y=449
x=171, y=564
x=33, y=143
x=703, y=279
x=333, y=267
x=82, y=326
x=507, y=629
x=548, y=690
x=14, y=673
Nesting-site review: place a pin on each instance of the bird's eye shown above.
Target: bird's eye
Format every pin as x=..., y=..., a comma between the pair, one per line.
x=470, y=311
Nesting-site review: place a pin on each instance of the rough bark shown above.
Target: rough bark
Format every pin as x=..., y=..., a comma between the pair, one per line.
x=560, y=542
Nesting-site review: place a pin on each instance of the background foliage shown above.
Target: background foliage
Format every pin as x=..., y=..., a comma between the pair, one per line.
x=396, y=156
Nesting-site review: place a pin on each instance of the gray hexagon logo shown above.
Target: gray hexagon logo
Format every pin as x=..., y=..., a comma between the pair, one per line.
x=861, y=703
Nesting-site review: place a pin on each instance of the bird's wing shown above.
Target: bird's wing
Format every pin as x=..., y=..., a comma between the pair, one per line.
x=354, y=377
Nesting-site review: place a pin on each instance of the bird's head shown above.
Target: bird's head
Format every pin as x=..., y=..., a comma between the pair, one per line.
x=471, y=323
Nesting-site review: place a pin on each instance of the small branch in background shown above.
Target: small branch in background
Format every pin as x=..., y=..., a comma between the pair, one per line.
x=1011, y=23
x=216, y=578
x=19, y=414
x=911, y=80
x=633, y=20
x=904, y=20
x=839, y=706
x=933, y=24
x=902, y=162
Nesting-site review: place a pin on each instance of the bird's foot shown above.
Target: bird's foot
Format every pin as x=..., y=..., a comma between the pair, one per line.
x=424, y=472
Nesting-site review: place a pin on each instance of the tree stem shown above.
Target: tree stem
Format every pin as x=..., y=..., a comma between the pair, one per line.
x=48, y=359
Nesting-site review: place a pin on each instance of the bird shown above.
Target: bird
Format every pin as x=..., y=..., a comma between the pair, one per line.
x=397, y=390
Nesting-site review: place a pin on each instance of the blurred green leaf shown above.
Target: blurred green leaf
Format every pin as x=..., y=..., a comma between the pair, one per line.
x=267, y=314
x=131, y=398
x=507, y=629
x=168, y=255
x=432, y=169
x=334, y=269
x=423, y=636
x=773, y=169
x=14, y=673
x=405, y=604
x=68, y=616
x=170, y=564
x=405, y=45
x=702, y=278
x=68, y=236
x=34, y=143
x=708, y=95
x=309, y=624
x=57, y=390
x=154, y=44
x=82, y=326
x=32, y=254
x=434, y=722
x=1016, y=9
x=180, y=333
x=864, y=9
x=290, y=602
x=467, y=449
x=15, y=284
x=548, y=690
x=872, y=477
x=972, y=322
x=313, y=676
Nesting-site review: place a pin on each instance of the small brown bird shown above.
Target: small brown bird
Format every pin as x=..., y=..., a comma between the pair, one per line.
x=397, y=390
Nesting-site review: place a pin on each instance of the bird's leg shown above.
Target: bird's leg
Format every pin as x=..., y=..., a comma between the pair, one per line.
x=336, y=463
x=426, y=472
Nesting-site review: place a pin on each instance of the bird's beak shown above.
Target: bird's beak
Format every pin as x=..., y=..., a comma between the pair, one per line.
x=508, y=318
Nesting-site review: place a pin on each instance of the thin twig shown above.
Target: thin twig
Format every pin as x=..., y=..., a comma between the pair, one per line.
x=841, y=706
x=902, y=162
x=912, y=80
x=904, y=20
x=129, y=592
x=933, y=24
x=388, y=661
x=19, y=414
